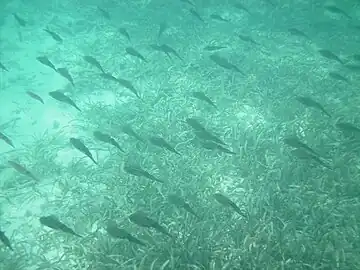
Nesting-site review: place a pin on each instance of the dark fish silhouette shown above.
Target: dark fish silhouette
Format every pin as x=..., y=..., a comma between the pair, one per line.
x=217, y=17
x=106, y=138
x=138, y=171
x=79, y=145
x=114, y=231
x=6, y=139
x=35, y=96
x=225, y=201
x=45, y=61
x=212, y=48
x=19, y=20
x=338, y=77
x=65, y=73
x=54, y=223
x=169, y=51
x=125, y=33
x=180, y=202
x=54, y=35
x=188, y=2
x=296, y=143
x=353, y=67
x=309, y=102
x=127, y=84
x=59, y=96
x=211, y=145
x=248, y=39
x=94, y=62
x=347, y=127
x=195, y=124
x=141, y=219
x=297, y=32
x=162, y=143
x=224, y=63
x=162, y=28
x=104, y=13
x=202, y=133
x=330, y=55
x=109, y=77
x=201, y=96
x=196, y=14
x=22, y=170
x=5, y=240
x=3, y=67
x=241, y=7
x=133, y=52
x=127, y=129
x=303, y=154
x=336, y=10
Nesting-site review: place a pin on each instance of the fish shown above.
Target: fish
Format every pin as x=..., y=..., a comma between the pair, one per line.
x=225, y=201
x=195, y=124
x=202, y=133
x=338, y=77
x=196, y=14
x=162, y=28
x=296, y=32
x=169, y=50
x=164, y=48
x=54, y=223
x=201, y=96
x=138, y=171
x=94, y=62
x=59, y=96
x=109, y=77
x=65, y=73
x=353, y=67
x=22, y=170
x=79, y=145
x=141, y=219
x=247, y=39
x=330, y=55
x=20, y=20
x=104, y=13
x=212, y=48
x=356, y=57
x=5, y=240
x=309, y=102
x=180, y=202
x=106, y=138
x=162, y=143
x=127, y=84
x=334, y=9
x=124, y=33
x=296, y=143
x=6, y=139
x=347, y=127
x=211, y=145
x=45, y=61
x=3, y=67
x=188, y=2
x=133, y=52
x=127, y=129
x=217, y=17
x=114, y=231
x=303, y=154
x=241, y=7
x=224, y=63
x=35, y=96
x=54, y=35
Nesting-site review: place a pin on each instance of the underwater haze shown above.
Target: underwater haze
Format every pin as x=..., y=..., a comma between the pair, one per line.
x=179, y=135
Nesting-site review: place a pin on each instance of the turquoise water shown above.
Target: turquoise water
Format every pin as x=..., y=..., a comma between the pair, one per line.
x=179, y=135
